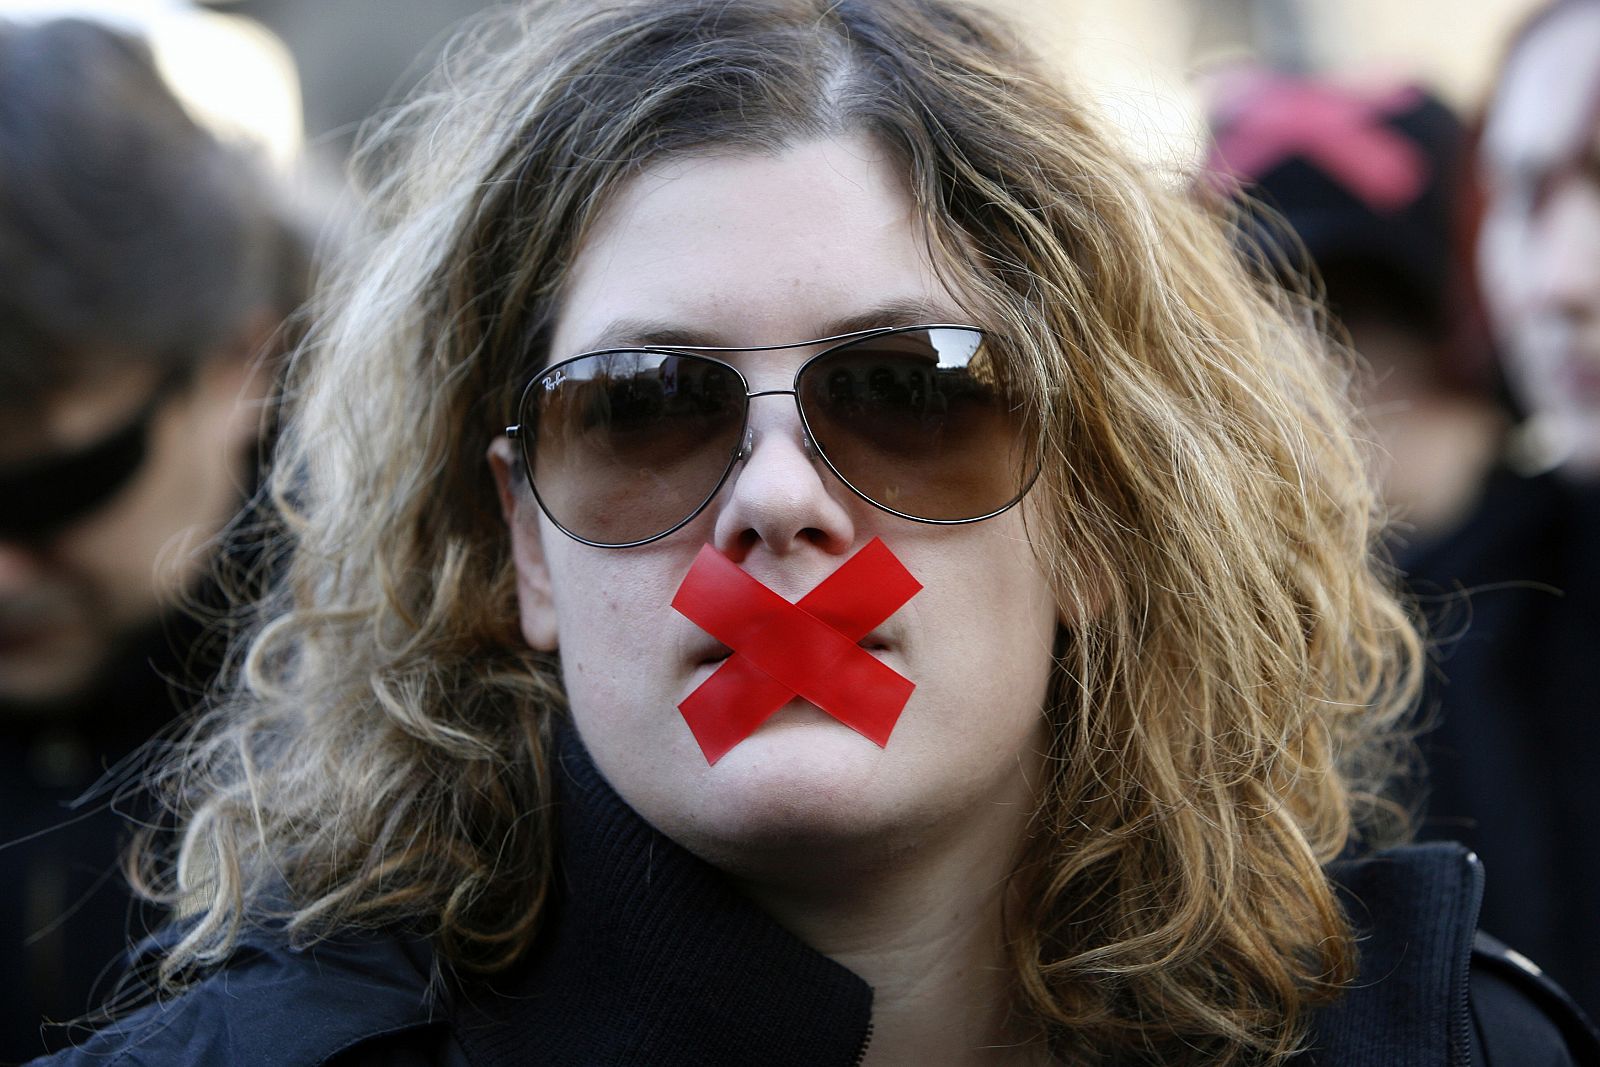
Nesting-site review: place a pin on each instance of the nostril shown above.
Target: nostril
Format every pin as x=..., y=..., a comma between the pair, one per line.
x=744, y=542
x=819, y=537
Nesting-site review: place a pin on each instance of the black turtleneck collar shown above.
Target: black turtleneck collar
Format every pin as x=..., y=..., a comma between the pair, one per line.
x=652, y=957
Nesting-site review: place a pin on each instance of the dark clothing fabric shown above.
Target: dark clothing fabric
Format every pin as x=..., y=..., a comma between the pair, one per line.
x=72, y=793
x=67, y=917
x=1516, y=695
x=1501, y=978
x=653, y=959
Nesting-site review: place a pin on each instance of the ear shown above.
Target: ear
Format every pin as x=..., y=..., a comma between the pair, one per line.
x=535, y=597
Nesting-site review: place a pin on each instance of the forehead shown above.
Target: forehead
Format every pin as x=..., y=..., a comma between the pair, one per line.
x=1547, y=107
x=751, y=249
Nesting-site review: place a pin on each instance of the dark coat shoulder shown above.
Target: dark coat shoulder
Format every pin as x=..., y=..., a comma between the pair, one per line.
x=1521, y=1017
x=1432, y=991
x=274, y=1005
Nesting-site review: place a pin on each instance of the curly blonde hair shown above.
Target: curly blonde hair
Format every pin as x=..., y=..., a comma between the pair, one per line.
x=1219, y=729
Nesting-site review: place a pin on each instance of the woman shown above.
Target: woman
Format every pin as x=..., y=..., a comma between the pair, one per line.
x=776, y=292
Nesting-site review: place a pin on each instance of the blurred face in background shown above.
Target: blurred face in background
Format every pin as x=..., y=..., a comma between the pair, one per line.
x=1539, y=254
x=149, y=463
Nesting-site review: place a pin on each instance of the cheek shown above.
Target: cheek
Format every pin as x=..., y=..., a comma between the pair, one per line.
x=593, y=627
x=132, y=555
x=618, y=636
x=1501, y=270
x=605, y=680
x=991, y=622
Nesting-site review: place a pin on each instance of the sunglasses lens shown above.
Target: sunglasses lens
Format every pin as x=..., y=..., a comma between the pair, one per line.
x=626, y=445
x=922, y=422
x=50, y=494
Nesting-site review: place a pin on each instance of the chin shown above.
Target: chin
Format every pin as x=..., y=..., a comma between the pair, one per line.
x=801, y=781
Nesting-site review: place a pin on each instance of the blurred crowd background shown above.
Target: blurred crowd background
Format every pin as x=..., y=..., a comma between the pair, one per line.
x=169, y=171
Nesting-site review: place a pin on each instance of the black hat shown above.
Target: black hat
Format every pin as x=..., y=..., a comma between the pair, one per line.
x=1366, y=177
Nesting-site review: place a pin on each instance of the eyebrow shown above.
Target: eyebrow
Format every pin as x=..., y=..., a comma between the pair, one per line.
x=661, y=333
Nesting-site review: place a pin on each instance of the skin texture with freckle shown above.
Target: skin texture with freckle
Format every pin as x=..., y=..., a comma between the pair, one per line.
x=758, y=250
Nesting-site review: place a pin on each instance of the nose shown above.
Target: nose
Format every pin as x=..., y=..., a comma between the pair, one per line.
x=1566, y=264
x=781, y=497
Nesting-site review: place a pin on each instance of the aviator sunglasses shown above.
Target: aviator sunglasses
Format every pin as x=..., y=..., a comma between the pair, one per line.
x=48, y=495
x=625, y=446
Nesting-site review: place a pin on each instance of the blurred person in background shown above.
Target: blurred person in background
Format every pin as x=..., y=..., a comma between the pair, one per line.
x=145, y=270
x=1369, y=180
x=1517, y=685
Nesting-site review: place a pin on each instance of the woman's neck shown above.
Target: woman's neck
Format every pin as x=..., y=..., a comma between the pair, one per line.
x=925, y=929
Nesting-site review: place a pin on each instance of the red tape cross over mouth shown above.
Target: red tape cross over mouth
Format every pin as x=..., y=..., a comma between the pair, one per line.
x=783, y=650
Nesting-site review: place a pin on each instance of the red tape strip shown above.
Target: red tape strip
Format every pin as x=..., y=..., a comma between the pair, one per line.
x=782, y=650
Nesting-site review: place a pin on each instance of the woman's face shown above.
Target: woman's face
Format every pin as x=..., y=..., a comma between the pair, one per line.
x=760, y=250
x=1539, y=246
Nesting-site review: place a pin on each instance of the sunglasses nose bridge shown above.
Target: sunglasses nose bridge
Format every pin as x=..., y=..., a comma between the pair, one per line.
x=748, y=443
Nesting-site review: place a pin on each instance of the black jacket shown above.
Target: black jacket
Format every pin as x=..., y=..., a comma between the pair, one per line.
x=654, y=959
x=65, y=910
x=1516, y=696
